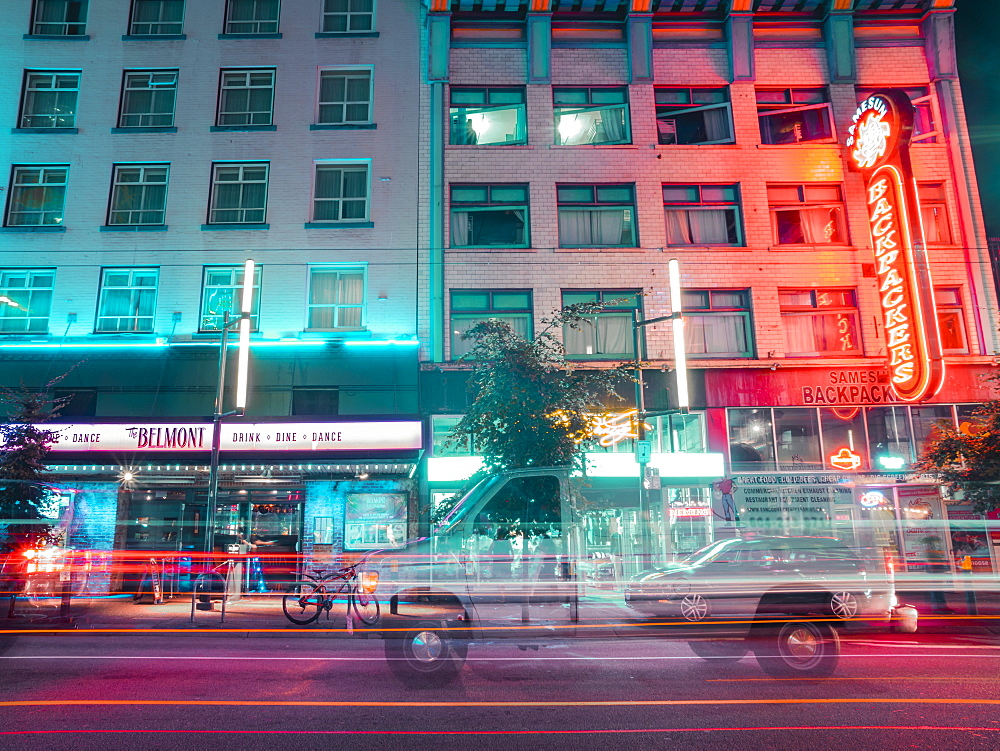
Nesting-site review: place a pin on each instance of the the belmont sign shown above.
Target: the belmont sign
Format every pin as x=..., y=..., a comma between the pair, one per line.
x=270, y=436
x=878, y=147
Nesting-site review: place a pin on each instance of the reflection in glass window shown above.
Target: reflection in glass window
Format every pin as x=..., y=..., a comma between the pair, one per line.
x=819, y=322
x=844, y=428
x=591, y=116
x=751, y=439
x=488, y=116
x=798, y=438
x=699, y=116
x=926, y=421
x=889, y=437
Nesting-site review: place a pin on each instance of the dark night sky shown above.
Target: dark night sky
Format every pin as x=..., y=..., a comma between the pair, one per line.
x=977, y=28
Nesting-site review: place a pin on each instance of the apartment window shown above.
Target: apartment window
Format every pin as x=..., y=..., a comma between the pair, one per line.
x=819, y=322
x=139, y=194
x=607, y=333
x=345, y=97
x=702, y=214
x=252, y=16
x=127, y=300
x=345, y=16
x=37, y=195
x=488, y=116
x=693, y=116
x=222, y=292
x=951, y=320
x=148, y=98
x=246, y=97
x=591, y=116
x=934, y=213
x=811, y=214
x=59, y=17
x=336, y=298
x=596, y=215
x=489, y=215
x=25, y=300
x=472, y=306
x=925, y=115
x=157, y=17
x=341, y=193
x=794, y=115
x=50, y=99
x=717, y=323
x=239, y=193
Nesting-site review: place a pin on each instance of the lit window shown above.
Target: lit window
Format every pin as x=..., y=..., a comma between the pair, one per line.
x=925, y=116
x=50, y=99
x=934, y=213
x=596, y=216
x=59, y=17
x=148, y=98
x=686, y=116
x=345, y=16
x=239, y=193
x=607, y=333
x=489, y=215
x=37, y=195
x=819, y=322
x=222, y=292
x=488, y=116
x=591, y=116
x=794, y=115
x=472, y=306
x=811, y=214
x=702, y=214
x=341, y=193
x=345, y=97
x=252, y=16
x=127, y=301
x=25, y=300
x=951, y=320
x=336, y=299
x=139, y=194
x=246, y=97
x=157, y=17
x=717, y=323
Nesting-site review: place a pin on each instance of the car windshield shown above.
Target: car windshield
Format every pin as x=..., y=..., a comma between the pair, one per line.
x=710, y=551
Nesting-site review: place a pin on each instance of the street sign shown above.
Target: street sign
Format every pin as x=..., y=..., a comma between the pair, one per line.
x=651, y=479
x=643, y=451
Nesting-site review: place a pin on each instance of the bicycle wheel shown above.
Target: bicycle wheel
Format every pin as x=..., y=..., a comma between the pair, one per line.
x=365, y=606
x=303, y=602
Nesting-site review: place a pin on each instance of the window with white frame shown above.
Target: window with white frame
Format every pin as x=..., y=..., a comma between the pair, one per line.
x=951, y=320
x=819, y=322
x=336, y=298
x=606, y=333
x=50, y=99
x=702, y=214
x=239, y=193
x=346, y=16
x=37, y=195
x=252, y=16
x=341, y=193
x=156, y=17
x=717, y=322
x=472, y=306
x=596, y=216
x=246, y=97
x=138, y=194
x=489, y=216
x=488, y=116
x=693, y=116
x=794, y=115
x=59, y=17
x=25, y=300
x=127, y=300
x=148, y=99
x=222, y=292
x=934, y=213
x=925, y=111
x=345, y=97
x=591, y=115
x=809, y=214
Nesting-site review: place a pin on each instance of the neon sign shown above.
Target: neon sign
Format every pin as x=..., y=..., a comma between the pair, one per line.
x=873, y=499
x=845, y=459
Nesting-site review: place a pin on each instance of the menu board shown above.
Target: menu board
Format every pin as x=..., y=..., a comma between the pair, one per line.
x=375, y=520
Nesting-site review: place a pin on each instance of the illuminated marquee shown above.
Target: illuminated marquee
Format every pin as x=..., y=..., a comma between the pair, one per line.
x=878, y=147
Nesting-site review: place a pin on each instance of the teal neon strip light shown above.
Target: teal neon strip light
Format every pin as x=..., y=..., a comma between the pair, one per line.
x=154, y=345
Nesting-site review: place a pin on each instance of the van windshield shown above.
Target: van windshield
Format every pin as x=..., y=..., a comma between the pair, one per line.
x=465, y=504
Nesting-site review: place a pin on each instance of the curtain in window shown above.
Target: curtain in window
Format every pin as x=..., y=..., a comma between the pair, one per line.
x=581, y=340
x=260, y=101
x=459, y=227
x=614, y=334
x=614, y=124
x=459, y=346
x=52, y=11
x=819, y=225
x=591, y=227
x=933, y=221
x=717, y=124
x=678, y=232
x=253, y=196
x=322, y=292
x=709, y=226
x=355, y=184
x=715, y=335
x=799, y=334
x=350, y=291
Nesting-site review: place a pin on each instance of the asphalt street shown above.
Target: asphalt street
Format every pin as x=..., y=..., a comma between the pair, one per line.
x=81, y=690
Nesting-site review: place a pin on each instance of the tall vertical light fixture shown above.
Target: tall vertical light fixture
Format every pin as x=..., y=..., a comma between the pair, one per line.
x=677, y=318
x=243, y=362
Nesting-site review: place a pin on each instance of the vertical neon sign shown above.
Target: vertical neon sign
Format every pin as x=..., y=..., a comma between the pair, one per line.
x=878, y=147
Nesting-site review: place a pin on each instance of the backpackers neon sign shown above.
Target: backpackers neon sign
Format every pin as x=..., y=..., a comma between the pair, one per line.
x=878, y=146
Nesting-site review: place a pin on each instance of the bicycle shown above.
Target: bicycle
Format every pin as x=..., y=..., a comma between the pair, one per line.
x=306, y=599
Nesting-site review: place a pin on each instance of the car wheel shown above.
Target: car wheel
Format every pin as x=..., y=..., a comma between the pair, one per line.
x=799, y=649
x=844, y=605
x=719, y=651
x=425, y=655
x=694, y=607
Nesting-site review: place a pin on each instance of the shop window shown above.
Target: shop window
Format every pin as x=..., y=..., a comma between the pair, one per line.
x=157, y=17
x=444, y=445
x=819, y=322
x=315, y=401
x=794, y=116
x=693, y=116
x=341, y=192
x=50, y=99
x=239, y=193
x=37, y=195
x=148, y=98
x=596, y=216
x=489, y=216
x=138, y=194
x=346, y=16
x=844, y=436
x=889, y=438
x=472, y=306
x=127, y=300
x=323, y=530
x=336, y=299
x=59, y=17
x=606, y=334
x=246, y=97
x=934, y=213
x=925, y=115
x=797, y=434
x=595, y=116
x=751, y=440
x=375, y=520
x=252, y=16
x=951, y=320
x=702, y=214
x=222, y=292
x=677, y=433
x=488, y=116
x=717, y=323
x=25, y=300
x=810, y=214
x=927, y=421
x=345, y=97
